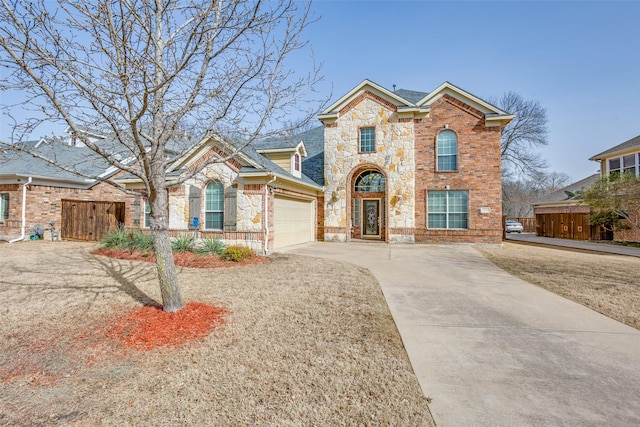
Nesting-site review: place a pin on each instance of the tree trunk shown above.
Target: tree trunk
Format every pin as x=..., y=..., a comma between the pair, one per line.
x=167, y=276
x=166, y=267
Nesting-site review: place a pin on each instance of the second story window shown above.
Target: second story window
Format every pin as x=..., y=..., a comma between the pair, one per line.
x=447, y=149
x=367, y=140
x=296, y=162
x=629, y=163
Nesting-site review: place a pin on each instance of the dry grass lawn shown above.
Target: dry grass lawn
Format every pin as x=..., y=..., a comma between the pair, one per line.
x=304, y=343
x=609, y=284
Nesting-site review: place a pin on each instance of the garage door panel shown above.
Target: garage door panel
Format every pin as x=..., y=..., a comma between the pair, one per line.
x=293, y=221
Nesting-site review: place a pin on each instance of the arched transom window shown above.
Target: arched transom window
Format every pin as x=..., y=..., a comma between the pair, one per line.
x=370, y=181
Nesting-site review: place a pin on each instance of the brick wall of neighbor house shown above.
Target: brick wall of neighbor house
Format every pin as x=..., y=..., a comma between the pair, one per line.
x=478, y=172
x=44, y=204
x=628, y=235
x=394, y=156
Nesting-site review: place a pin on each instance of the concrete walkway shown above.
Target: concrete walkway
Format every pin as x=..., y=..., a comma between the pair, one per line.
x=576, y=244
x=492, y=350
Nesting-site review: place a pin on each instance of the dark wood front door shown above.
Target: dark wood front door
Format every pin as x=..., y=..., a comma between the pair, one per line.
x=370, y=218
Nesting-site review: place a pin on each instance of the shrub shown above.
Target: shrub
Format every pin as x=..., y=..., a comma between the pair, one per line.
x=118, y=239
x=141, y=242
x=237, y=253
x=212, y=246
x=183, y=244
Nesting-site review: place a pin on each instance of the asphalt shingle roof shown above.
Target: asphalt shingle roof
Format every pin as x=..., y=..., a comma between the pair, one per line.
x=567, y=192
x=633, y=142
x=411, y=95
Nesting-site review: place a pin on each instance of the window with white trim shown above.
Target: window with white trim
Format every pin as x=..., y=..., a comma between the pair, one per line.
x=296, y=162
x=367, y=140
x=448, y=209
x=447, y=149
x=214, y=206
x=147, y=214
x=628, y=163
x=4, y=207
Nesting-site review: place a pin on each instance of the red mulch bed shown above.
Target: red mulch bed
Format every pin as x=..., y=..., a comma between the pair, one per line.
x=182, y=259
x=149, y=327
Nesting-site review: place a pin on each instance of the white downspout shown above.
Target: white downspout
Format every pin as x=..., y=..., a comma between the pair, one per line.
x=24, y=213
x=266, y=214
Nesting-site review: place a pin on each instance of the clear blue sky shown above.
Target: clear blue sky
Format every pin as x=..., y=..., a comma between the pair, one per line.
x=580, y=60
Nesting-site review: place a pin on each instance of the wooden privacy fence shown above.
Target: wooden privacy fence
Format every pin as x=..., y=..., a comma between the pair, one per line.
x=89, y=220
x=571, y=225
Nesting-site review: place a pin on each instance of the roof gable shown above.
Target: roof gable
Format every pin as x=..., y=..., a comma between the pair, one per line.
x=416, y=104
x=493, y=115
x=366, y=86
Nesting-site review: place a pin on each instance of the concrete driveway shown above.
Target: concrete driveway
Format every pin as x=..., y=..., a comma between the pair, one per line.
x=493, y=350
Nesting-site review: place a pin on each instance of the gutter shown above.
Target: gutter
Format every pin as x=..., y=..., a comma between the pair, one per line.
x=266, y=214
x=24, y=213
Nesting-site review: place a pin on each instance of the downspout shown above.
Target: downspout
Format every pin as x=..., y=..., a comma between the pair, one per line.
x=24, y=211
x=266, y=214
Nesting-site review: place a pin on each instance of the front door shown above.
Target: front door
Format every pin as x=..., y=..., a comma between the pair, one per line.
x=371, y=218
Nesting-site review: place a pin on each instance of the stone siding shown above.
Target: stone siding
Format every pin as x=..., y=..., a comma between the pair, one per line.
x=393, y=156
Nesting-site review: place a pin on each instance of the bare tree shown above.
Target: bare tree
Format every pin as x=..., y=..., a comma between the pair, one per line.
x=520, y=193
x=140, y=69
x=526, y=132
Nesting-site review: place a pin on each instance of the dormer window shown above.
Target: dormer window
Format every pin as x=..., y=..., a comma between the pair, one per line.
x=296, y=162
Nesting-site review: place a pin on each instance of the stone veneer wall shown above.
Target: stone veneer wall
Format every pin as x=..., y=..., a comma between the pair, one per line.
x=394, y=156
x=250, y=201
x=478, y=172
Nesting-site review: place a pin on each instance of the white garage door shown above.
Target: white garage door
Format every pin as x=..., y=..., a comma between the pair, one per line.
x=294, y=222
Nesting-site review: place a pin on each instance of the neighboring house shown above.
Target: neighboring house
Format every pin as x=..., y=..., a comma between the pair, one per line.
x=561, y=214
x=393, y=166
x=622, y=158
x=34, y=192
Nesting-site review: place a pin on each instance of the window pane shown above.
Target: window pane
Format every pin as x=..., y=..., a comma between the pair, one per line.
x=447, y=142
x=356, y=212
x=147, y=214
x=370, y=181
x=458, y=220
x=214, y=206
x=367, y=140
x=437, y=201
x=447, y=163
x=458, y=201
x=448, y=209
x=629, y=160
x=437, y=220
x=447, y=148
x=614, y=164
x=213, y=220
x=214, y=197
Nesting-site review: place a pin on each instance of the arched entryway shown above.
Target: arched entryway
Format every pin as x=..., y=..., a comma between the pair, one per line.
x=368, y=207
